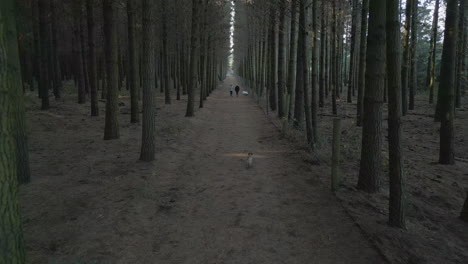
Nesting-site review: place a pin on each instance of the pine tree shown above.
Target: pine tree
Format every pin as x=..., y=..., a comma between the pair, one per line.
x=371, y=157
x=447, y=85
x=396, y=174
x=111, y=130
x=11, y=244
x=148, y=139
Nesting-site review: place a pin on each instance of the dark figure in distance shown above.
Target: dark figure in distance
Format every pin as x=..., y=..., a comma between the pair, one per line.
x=237, y=90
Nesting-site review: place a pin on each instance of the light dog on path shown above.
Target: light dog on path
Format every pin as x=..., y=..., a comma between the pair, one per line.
x=250, y=160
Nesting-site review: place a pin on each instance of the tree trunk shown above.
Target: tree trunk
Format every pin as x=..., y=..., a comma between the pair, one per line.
x=148, y=138
x=133, y=63
x=414, y=58
x=12, y=248
x=55, y=60
x=461, y=55
x=282, y=59
x=315, y=72
x=362, y=64
x=405, y=67
x=111, y=130
x=371, y=157
x=44, y=62
x=397, y=205
x=430, y=80
x=447, y=84
x=193, y=58
x=92, y=62
x=293, y=59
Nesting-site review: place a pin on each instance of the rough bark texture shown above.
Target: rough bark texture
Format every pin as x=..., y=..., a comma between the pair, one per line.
x=148, y=142
x=111, y=130
x=193, y=59
x=405, y=66
x=397, y=203
x=447, y=84
x=371, y=157
x=133, y=61
x=293, y=59
x=92, y=62
x=44, y=35
x=362, y=63
x=430, y=80
x=282, y=59
x=11, y=236
x=414, y=58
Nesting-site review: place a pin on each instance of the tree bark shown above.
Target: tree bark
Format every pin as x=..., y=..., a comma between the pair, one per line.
x=362, y=64
x=12, y=248
x=148, y=139
x=111, y=130
x=414, y=58
x=447, y=85
x=193, y=58
x=133, y=63
x=397, y=205
x=92, y=61
x=371, y=157
x=405, y=67
x=430, y=80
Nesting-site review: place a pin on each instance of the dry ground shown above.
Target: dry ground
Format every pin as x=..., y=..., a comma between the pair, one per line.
x=91, y=201
x=435, y=193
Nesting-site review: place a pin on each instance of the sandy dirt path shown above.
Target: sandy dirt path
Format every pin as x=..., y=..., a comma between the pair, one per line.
x=218, y=211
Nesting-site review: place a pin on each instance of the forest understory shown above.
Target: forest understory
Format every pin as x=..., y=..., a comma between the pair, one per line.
x=93, y=202
x=435, y=192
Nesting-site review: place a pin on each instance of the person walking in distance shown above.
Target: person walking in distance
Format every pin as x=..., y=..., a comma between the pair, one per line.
x=237, y=90
x=230, y=91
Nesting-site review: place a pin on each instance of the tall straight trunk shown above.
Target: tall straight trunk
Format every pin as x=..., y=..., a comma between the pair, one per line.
x=303, y=70
x=167, y=89
x=414, y=58
x=371, y=151
x=397, y=205
x=315, y=72
x=447, y=85
x=148, y=138
x=322, y=57
x=92, y=61
x=37, y=45
x=461, y=54
x=44, y=58
x=111, y=130
x=273, y=75
x=12, y=249
x=300, y=81
x=431, y=61
x=405, y=66
x=282, y=59
x=133, y=63
x=293, y=59
x=55, y=60
x=79, y=69
x=193, y=58
x=334, y=61
x=204, y=53
x=362, y=64
x=352, y=50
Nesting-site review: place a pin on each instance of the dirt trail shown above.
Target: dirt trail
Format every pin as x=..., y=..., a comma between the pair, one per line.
x=221, y=212
x=197, y=204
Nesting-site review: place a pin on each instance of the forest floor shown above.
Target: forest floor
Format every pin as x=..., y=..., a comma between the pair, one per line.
x=92, y=201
